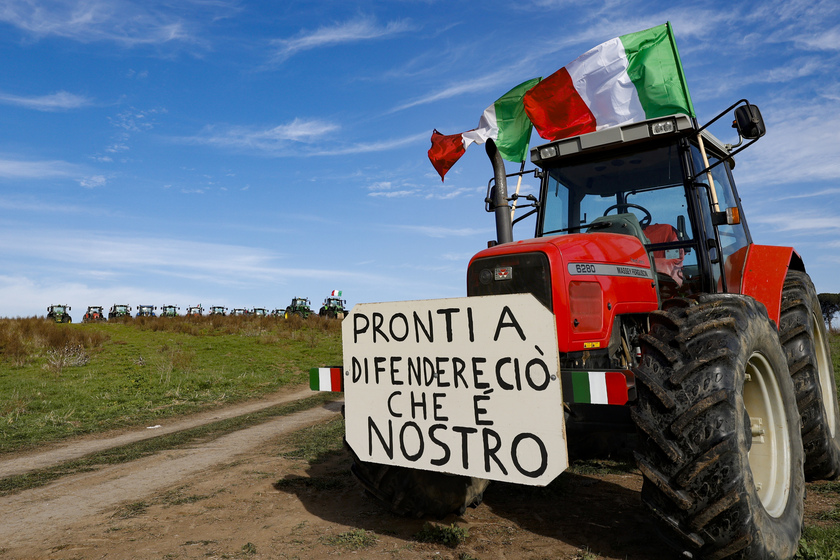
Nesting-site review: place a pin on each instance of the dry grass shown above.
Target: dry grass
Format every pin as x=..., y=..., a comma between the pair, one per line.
x=22, y=340
x=269, y=328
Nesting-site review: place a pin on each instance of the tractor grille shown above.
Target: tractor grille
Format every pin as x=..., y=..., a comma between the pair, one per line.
x=511, y=274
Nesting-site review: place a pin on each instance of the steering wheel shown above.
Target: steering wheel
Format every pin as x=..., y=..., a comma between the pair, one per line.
x=646, y=219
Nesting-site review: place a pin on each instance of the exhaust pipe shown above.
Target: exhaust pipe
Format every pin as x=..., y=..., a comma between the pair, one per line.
x=504, y=227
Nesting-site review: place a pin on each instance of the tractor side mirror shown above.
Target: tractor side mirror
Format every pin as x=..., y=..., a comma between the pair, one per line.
x=748, y=122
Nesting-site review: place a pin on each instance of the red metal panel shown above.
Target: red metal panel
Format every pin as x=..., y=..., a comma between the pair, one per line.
x=764, y=275
x=621, y=295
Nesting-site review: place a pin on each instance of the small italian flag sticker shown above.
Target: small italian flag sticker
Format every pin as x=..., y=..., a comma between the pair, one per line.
x=326, y=379
x=594, y=387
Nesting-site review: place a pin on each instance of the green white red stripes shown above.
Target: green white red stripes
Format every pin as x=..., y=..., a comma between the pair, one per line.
x=594, y=387
x=504, y=121
x=627, y=79
x=326, y=379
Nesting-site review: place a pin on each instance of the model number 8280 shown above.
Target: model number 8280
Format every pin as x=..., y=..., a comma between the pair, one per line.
x=582, y=268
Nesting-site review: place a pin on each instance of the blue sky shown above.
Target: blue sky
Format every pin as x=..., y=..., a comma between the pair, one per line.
x=241, y=153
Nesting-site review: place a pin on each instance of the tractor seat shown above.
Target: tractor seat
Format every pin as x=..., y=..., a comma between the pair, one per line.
x=626, y=224
x=669, y=262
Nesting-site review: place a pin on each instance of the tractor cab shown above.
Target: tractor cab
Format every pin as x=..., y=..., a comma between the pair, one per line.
x=118, y=310
x=59, y=313
x=218, y=310
x=94, y=314
x=146, y=311
x=665, y=182
x=651, y=184
x=169, y=310
x=259, y=311
x=196, y=310
x=239, y=311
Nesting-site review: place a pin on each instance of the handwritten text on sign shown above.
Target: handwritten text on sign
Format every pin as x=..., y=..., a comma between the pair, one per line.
x=465, y=386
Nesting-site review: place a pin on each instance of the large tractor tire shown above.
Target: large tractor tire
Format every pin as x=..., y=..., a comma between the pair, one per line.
x=804, y=338
x=415, y=493
x=720, y=445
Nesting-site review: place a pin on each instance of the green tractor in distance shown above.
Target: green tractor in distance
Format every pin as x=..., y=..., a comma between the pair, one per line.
x=146, y=311
x=59, y=313
x=169, y=310
x=196, y=310
x=218, y=310
x=119, y=311
x=333, y=306
x=299, y=307
x=259, y=312
x=94, y=314
x=240, y=311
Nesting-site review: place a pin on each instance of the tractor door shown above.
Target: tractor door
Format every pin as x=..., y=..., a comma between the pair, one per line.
x=726, y=243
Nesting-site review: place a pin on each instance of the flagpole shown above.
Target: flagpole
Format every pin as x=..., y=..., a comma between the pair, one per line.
x=518, y=184
x=712, y=191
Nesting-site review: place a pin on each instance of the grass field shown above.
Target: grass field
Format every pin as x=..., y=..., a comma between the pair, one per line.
x=58, y=380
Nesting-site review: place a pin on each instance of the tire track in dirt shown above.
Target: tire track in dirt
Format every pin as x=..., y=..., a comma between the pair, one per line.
x=30, y=516
x=74, y=449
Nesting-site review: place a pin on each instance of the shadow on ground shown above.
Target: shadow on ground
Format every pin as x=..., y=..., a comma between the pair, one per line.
x=601, y=513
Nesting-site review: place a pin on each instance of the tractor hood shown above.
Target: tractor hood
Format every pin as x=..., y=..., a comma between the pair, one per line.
x=585, y=279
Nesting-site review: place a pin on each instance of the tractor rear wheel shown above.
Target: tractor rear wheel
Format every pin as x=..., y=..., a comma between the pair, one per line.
x=416, y=493
x=720, y=446
x=804, y=338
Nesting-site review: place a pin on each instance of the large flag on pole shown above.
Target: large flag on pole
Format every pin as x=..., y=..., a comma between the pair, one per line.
x=627, y=79
x=504, y=121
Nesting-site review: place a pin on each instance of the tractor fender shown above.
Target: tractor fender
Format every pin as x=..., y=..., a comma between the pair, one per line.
x=765, y=269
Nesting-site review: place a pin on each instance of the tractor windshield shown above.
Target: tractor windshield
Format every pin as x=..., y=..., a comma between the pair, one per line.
x=648, y=184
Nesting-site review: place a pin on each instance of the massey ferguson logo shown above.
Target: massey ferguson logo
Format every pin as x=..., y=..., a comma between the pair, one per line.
x=504, y=273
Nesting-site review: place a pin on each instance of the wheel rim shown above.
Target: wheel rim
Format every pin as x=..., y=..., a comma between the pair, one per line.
x=769, y=454
x=826, y=375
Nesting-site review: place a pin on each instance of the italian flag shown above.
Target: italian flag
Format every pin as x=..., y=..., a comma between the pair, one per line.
x=504, y=121
x=594, y=387
x=628, y=79
x=326, y=379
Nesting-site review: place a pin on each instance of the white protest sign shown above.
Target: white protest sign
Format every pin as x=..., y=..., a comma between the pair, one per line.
x=465, y=386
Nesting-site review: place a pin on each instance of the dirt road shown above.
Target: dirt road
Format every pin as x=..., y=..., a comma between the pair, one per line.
x=237, y=497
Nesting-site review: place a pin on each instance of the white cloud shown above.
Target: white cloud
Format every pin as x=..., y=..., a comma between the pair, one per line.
x=800, y=147
x=119, y=21
x=58, y=101
x=44, y=169
x=93, y=181
x=361, y=29
x=273, y=140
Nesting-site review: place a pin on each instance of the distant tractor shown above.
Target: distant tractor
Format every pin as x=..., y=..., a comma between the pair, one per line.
x=118, y=311
x=333, y=306
x=299, y=307
x=146, y=311
x=94, y=314
x=241, y=311
x=218, y=310
x=59, y=313
x=196, y=310
x=169, y=310
x=259, y=311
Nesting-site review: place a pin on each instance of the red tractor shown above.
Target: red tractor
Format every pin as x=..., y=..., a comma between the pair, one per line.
x=670, y=324
x=94, y=314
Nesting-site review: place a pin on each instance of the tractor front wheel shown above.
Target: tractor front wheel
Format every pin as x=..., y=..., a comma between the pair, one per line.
x=416, y=493
x=804, y=338
x=720, y=446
